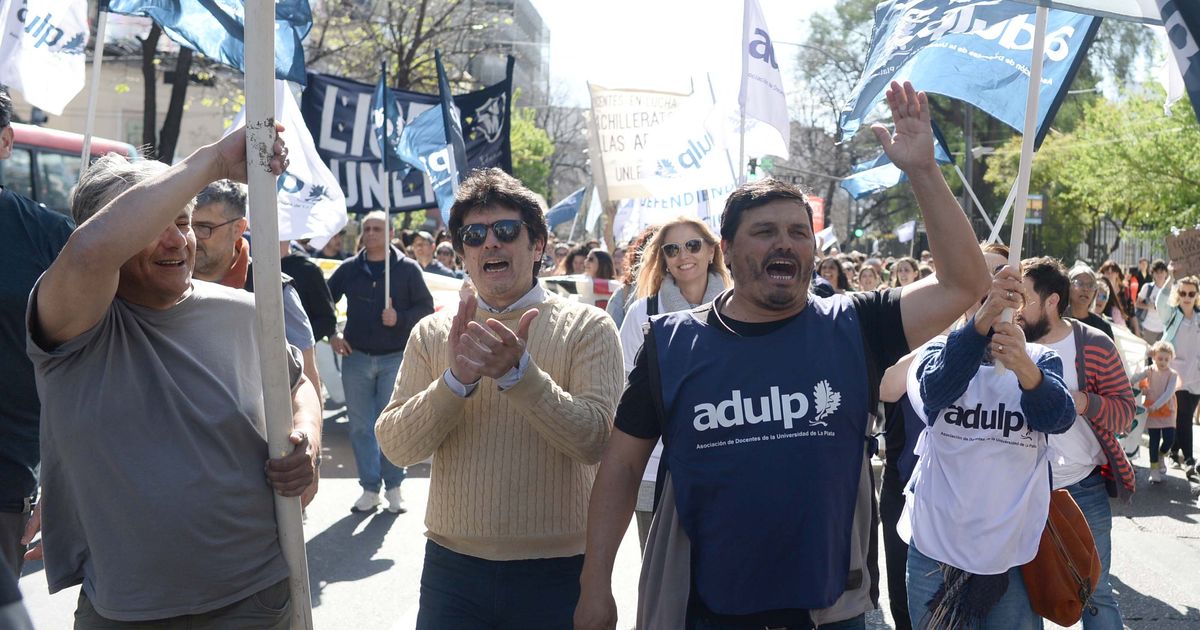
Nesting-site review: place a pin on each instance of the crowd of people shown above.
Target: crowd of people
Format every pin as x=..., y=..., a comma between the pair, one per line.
x=726, y=400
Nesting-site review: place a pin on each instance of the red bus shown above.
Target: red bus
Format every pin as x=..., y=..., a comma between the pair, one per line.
x=44, y=165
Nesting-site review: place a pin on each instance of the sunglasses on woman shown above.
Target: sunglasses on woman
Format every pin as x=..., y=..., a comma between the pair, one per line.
x=506, y=231
x=1187, y=294
x=693, y=246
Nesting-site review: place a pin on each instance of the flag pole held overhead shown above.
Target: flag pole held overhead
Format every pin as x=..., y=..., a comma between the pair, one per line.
x=387, y=199
x=89, y=122
x=268, y=298
x=1028, y=139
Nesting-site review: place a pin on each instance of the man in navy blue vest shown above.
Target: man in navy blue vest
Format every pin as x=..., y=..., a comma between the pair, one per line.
x=762, y=400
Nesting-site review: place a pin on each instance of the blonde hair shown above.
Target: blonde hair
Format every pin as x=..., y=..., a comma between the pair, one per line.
x=1162, y=345
x=1192, y=280
x=653, y=265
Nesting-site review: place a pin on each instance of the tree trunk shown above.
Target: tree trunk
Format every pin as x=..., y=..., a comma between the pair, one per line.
x=150, y=90
x=168, y=136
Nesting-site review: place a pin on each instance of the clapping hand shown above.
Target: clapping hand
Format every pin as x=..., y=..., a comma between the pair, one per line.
x=490, y=349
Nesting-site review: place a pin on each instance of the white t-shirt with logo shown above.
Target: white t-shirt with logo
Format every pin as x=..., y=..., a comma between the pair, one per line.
x=1074, y=454
x=980, y=493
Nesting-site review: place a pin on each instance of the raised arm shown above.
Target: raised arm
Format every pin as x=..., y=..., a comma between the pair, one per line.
x=78, y=288
x=930, y=305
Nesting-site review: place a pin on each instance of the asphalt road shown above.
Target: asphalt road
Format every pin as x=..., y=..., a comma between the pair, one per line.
x=365, y=568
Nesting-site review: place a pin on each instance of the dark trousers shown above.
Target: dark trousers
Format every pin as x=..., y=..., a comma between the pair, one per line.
x=891, y=503
x=12, y=552
x=1186, y=402
x=1160, y=443
x=460, y=592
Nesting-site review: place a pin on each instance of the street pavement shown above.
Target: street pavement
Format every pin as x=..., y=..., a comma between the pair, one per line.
x=365, y=569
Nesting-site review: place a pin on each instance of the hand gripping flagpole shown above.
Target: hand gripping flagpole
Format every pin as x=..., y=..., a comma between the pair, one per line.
x=268, y=296
x=1029, y=136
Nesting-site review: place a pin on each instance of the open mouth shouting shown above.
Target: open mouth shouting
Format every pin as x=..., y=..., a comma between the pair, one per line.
x=782, y=270
x=496, y=265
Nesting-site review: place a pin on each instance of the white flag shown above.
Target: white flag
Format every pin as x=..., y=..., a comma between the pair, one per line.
x=687, y=153
x=41, y=48
x=906, y=231
x=311, y=203
x=594, y=211
x=826, y=238
x=762, y=97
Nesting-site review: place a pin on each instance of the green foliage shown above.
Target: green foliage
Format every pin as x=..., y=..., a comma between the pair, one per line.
x=1124, y=163
x=531, y=151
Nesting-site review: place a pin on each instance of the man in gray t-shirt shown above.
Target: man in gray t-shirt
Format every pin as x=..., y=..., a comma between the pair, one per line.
x=155, y=496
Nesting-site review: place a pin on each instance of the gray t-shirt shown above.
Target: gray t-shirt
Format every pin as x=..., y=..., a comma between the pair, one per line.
x=153, y=449
x=296, y=326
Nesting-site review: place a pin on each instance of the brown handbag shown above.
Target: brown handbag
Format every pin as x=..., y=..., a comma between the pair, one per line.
x=1062, y=576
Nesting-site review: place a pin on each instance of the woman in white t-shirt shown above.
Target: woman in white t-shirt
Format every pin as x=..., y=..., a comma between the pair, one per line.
x=681, y=268
x=1181, y=329
x=978, y=498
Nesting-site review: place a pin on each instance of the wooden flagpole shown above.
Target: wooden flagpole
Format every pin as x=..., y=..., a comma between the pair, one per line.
x=268, y=296
x=89, y=122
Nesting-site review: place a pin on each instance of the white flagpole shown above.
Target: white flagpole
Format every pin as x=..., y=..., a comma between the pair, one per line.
x=89, y=122
x=268, y=297
x=994, y=237
x=1029, y=135
x=978, y=206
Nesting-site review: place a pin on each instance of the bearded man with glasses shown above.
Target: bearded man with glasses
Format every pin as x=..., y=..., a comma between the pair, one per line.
x=514, y=456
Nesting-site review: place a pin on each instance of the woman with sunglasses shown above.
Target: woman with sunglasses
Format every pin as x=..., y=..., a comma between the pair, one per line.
x=682, y=267
x=1181, y=328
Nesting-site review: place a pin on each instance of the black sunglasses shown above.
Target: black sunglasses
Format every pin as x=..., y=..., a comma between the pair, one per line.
x=693, y=246
x=506, y=231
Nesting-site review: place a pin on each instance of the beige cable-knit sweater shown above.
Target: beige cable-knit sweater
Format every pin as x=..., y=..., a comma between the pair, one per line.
x=512, y=470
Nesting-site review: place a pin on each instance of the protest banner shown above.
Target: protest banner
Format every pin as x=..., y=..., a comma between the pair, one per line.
x=1184, y=250
x=338, y=113
x=634, y=215
x=622, y=123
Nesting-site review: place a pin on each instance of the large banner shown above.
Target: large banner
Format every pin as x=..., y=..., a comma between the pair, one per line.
x=622, y=125
x=978, y=51
x=338, y=113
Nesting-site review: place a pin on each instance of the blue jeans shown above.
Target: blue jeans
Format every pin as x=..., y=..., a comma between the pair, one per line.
x=368, y=382
x=460, y=592
x=1101, y=612
x=1012, y=612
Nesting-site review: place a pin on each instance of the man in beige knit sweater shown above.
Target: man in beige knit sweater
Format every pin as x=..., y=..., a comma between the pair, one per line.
x=515, y=455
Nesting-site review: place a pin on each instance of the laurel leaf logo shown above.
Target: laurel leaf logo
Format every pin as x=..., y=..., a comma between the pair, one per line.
x=826, y=401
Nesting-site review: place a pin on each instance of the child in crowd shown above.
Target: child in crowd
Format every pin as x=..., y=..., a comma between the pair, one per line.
x=1158, y=384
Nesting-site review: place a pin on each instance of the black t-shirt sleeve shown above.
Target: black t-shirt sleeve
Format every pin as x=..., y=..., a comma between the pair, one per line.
x=637, y=414
x=882, y=326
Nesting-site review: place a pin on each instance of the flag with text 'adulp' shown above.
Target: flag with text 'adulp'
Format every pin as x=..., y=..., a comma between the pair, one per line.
x=566, y=209
x=42, y=49
x=978, y=52
x=880, y=174
x=762, y=97
x=216, y=29
x=423, y=145
x=311, y=204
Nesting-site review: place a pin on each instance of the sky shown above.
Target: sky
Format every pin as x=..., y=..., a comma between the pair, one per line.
x=661, y=44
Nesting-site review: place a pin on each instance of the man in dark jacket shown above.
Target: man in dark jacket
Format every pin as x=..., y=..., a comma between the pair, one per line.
x=372, y=346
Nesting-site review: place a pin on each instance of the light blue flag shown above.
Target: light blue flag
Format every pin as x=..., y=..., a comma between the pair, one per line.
x=216, y=29
x=566, y=209
x=423, y=145
x=880, y=174
x=978, y=53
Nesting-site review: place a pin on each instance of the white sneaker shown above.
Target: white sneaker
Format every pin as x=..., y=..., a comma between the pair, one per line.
x=367, y=502
x=1156, y=475
x=395, y=500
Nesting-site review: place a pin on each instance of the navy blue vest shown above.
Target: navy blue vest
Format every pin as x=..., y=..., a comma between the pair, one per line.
x=764, y=438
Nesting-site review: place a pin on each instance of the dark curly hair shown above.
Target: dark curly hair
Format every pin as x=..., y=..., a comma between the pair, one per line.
x=493, y=187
